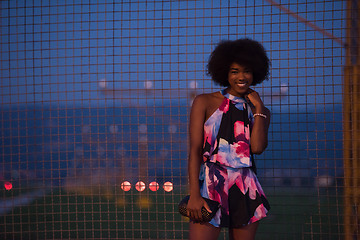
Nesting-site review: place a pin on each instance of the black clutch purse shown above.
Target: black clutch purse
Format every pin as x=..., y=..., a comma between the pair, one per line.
x=206, y=216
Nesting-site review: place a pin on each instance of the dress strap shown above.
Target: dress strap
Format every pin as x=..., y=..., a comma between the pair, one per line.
x=232, y=97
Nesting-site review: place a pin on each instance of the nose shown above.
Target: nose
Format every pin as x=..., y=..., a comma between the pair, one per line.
x=242, y=76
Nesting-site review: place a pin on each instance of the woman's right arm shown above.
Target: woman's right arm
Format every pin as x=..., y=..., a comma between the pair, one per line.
x=196, y=132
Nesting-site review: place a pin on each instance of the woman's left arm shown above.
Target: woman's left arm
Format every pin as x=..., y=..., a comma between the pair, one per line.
x=259, y=132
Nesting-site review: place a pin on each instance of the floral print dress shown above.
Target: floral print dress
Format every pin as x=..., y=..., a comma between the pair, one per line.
x=228, y=173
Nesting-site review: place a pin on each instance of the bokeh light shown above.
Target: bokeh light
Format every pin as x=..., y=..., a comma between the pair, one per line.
x=168, y=186
x=148, y=84
x=126, y=186
x=140, y=186
x=144, y=202
x=8, y=185
x=154, y=186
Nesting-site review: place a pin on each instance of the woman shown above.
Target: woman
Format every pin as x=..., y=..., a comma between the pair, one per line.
x=226, y=128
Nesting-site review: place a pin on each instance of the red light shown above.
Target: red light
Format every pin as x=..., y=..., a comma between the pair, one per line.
x=154, y=186
x=126, y=186
x=8, y=185
x=140, y=186
x=168, y=186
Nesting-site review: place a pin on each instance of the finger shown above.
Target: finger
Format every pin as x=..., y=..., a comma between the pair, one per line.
x=207, y=207
x=250, y=89
x=248, y=98
x=249, y=92
x=253, y=94
x=190, y=213
x=253, y=97
x=198, y=216
x=194, y=216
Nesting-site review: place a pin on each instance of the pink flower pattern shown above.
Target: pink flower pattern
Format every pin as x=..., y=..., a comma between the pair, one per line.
x=227, y=165
x=234, y=152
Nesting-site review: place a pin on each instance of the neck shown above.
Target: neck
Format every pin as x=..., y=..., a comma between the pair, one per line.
x=234, y=93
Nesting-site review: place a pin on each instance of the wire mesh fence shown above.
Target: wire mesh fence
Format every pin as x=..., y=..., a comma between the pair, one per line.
x=95, y=100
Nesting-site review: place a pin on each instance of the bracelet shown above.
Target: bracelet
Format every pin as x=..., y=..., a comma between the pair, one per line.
x=260, y=114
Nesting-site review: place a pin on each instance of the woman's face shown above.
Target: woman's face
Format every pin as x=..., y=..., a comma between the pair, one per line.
x=240, y=79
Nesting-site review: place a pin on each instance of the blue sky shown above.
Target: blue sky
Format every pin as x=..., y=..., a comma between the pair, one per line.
x=64, y=52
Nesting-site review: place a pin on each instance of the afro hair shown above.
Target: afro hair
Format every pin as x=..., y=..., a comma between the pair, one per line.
x=246, y=52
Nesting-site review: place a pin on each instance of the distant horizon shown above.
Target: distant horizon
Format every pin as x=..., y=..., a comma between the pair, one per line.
x=184, y=103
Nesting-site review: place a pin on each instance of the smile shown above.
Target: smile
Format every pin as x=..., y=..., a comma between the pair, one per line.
x=241, y=84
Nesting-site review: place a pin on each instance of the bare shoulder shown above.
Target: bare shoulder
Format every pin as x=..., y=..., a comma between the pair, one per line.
x=207, y=103
x=208, y=99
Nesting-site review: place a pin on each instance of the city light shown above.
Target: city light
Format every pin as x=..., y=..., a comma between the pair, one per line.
x=8, y=185
x=126, y=186
x=154, y=186
x=140, y=186
x=168, y=186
